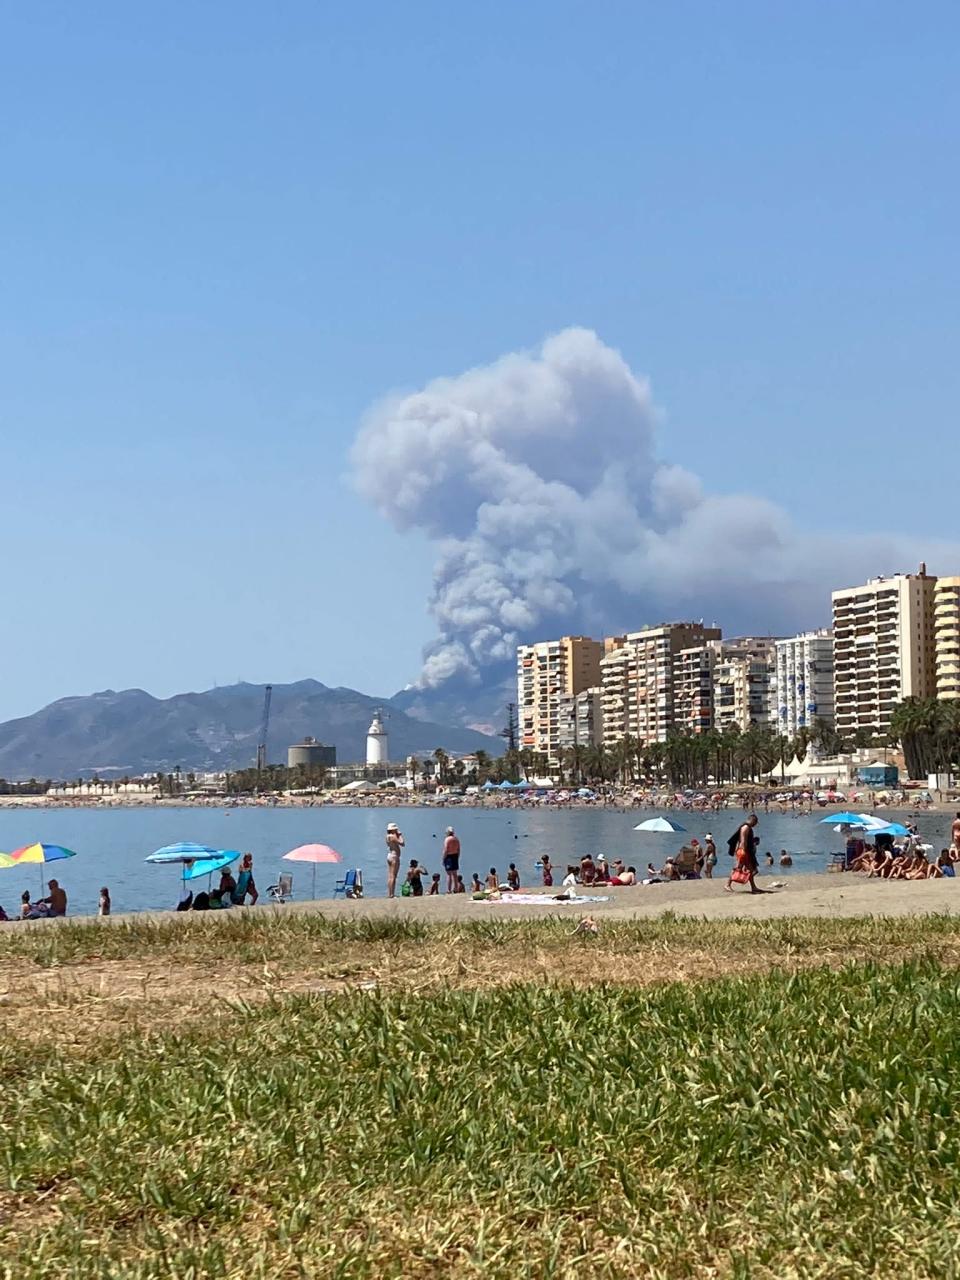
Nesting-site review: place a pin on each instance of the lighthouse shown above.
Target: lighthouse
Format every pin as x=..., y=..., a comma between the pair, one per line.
x=377, y=740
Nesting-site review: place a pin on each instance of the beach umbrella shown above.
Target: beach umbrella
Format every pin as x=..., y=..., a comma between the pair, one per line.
x=891, y=829
x=314, y=853
x=38, y=853
x=196, y=860
x=853, y=820
x=659, y=824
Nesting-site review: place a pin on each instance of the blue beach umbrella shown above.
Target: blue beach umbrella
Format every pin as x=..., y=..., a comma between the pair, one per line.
x=196, y=859
x=847, y=819
x=659, y=824
x=891, y=829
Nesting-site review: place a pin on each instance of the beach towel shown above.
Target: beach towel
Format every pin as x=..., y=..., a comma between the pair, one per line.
x=544, y=899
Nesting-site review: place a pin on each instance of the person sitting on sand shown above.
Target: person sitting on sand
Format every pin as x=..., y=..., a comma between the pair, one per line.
x=27, y=911
x=618, y=869
x=945, y=863
x=588, y=869
x=570, y=879
x=625, y=878
x=603, y=872
x=653, y=875
x=461, y=887
x=670, y=870
x=493, y=880
x=475, y=885
x=513, y=877
x=56, y=900
x=228, y=886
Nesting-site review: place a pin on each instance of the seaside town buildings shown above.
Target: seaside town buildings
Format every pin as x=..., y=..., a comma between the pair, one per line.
x=804, y=682
x=883, y=649
x=946, y=636
x=547, y=672
x=892, y=638
x=638, y=680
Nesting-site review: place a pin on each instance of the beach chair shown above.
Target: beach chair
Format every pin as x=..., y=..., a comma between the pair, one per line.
x=282, y=890
x=686, y=863
x=351, y=886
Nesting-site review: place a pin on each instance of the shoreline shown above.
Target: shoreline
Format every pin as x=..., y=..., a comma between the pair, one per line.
x=838, y=895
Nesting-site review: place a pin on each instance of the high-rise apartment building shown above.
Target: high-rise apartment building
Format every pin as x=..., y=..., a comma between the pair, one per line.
x=580, y=719
x=693, y=687
x=743, y=683
x=883, y=649
x=545, y=673
x=804, y=682
x=638, y=680
x=946, y=637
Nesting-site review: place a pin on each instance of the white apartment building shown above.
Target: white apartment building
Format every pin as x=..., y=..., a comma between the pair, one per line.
x=883, y=649
x=637, y=679
x=743, y=683
x=804, y=682
x=946, y=635
x=547, y=672
x=580, y=719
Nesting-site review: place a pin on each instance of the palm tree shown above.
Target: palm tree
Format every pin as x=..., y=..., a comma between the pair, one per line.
x=442, y=761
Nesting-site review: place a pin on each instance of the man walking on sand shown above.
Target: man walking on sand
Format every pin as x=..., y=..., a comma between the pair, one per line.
x=451, y=859
x=746, y=856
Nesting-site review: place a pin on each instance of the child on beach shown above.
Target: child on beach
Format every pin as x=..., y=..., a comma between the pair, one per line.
x=547, y=868
x=103, y=908
x=434, y=884
x=461, y=887
x=513, y=877
x=476, y=886
x=492, y=879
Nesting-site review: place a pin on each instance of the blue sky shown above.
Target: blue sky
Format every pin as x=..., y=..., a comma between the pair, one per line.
x=227, y=231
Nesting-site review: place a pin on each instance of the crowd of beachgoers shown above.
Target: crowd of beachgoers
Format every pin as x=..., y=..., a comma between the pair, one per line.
x=784, y=801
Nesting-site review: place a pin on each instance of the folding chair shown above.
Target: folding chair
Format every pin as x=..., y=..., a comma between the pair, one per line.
x=282, y=890
x=351, y=886
x=686, y=863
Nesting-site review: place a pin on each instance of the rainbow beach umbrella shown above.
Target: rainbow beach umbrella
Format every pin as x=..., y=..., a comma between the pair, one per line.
x=36, y=853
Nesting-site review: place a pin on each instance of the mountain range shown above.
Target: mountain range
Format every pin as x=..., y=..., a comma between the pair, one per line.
x=131, y=732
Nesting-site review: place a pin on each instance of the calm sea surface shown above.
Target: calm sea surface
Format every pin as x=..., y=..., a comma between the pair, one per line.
x=111, y=844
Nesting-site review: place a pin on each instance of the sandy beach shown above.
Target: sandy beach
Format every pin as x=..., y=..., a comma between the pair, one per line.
x=821, y=896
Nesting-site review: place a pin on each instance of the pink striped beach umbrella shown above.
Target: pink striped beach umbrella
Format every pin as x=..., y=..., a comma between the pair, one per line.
x=314, y=853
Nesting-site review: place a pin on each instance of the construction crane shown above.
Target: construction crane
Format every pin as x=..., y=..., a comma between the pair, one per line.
x=264, y=726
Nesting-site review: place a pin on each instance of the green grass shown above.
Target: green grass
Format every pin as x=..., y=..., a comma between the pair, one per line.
x=251, y=937
x=763, y=1127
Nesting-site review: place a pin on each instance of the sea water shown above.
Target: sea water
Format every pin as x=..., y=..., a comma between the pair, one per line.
x=111, y=844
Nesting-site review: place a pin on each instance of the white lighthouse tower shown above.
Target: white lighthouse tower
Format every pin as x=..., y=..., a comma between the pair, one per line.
x=377, y=740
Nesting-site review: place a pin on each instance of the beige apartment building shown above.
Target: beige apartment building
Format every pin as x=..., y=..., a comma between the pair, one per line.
x=744, y=683
x=638, y=680
x=883, y=639
x=546, y=673
x=946, y=636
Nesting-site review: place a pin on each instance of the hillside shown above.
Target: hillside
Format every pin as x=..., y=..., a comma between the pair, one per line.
x=131, y=732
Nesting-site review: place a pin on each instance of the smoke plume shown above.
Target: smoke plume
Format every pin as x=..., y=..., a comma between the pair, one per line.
x=539, y=479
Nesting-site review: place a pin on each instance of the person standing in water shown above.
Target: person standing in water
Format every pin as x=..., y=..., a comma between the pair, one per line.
x=395, y=842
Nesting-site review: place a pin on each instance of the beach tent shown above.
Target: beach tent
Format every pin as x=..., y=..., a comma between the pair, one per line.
x=505, y=786
x=361, y=784
x=489, y=786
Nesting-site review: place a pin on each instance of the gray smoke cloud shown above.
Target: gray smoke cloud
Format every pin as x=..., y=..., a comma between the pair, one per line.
x=539, y=479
